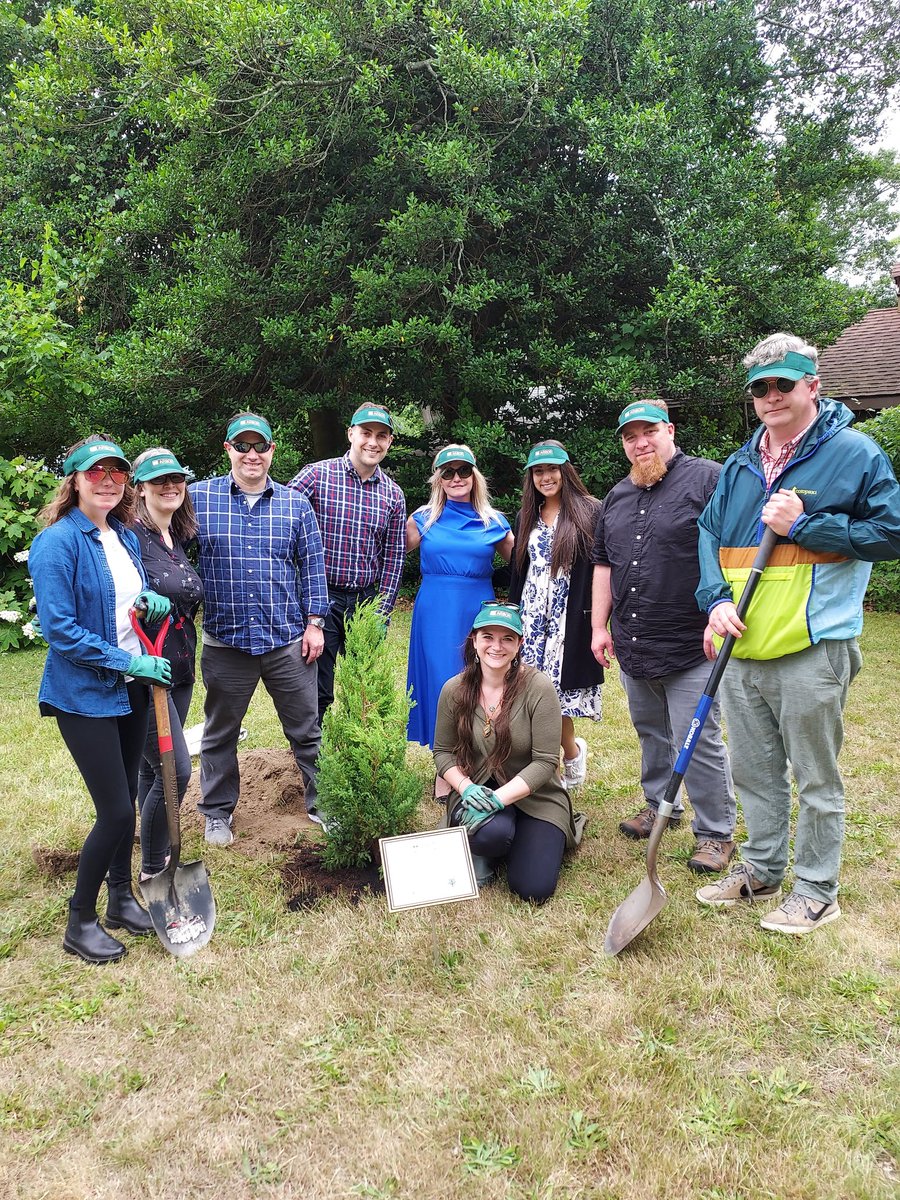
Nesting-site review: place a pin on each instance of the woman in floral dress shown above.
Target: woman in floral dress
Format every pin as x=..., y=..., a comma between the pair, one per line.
x=551, y=582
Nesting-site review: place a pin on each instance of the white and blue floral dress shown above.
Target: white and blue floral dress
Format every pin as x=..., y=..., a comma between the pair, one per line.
x=543, y=606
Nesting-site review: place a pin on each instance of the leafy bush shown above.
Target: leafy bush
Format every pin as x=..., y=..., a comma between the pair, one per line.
x=883, y=593
x=24, y=489
x=365, y=790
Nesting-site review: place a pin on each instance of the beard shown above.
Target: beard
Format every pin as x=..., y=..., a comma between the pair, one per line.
x=648, y=471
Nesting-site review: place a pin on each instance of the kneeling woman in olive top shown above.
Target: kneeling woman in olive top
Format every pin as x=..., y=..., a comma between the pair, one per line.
x=497, y=746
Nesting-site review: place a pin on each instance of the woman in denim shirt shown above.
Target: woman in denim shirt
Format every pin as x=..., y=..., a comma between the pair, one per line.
x=87, y=574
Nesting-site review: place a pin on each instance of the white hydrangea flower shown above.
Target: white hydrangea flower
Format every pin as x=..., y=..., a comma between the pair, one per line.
x=28, y=630
x=21, y=556
x=21, y=468
x=10, y=614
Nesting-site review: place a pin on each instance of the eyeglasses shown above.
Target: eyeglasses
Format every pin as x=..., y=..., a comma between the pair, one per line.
x=760, y=387
x=246, y=447
x=464, y=471
x=163, y=479
x=116, y=474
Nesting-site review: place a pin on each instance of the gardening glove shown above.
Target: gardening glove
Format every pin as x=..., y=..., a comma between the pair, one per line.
x=153, y=606
x=485, y=802
x=474, y=792
x=151, y=668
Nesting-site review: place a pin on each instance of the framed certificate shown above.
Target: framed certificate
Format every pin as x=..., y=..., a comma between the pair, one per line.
x=421, y=869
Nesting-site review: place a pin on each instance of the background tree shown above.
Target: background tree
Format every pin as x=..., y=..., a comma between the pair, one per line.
x=502, y=219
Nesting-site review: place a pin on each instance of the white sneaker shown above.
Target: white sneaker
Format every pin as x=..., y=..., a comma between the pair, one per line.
x=313, y=815
x=575, y=769
x=218, y=831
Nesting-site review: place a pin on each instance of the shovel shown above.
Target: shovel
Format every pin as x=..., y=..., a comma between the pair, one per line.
x=179, y=898
x=636, y=912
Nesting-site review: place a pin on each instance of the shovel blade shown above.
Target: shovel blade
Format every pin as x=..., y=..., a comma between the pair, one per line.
x=634, y=914
x=181, y=907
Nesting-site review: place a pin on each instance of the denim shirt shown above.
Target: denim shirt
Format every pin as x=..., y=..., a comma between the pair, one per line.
x=76, y=603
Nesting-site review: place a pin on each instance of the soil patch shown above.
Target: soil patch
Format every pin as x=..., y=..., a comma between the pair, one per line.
x=306, y=879
x=271, y=810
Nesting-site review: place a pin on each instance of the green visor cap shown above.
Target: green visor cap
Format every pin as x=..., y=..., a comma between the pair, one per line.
x=372, y=412
x=451, y=454
x=92, y=452
x=505, y=615
x=553, y=456
x=160, y=464
x=248, y=423
x=792, y=366
x=641, y=411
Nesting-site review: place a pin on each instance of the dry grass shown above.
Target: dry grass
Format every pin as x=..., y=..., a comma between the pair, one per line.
x=326, y=1054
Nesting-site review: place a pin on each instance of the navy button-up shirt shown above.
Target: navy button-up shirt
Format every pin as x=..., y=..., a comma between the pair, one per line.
x=648, y=538
x=261, y=565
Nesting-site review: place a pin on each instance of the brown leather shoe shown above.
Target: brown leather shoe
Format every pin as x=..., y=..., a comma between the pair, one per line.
x=711, y=856
x=640, y=825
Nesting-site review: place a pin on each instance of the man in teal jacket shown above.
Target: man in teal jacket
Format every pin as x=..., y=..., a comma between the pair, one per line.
x=830, y=494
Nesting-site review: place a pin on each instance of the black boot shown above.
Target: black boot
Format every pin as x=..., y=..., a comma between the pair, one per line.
x=124, y=912
x=85, y=937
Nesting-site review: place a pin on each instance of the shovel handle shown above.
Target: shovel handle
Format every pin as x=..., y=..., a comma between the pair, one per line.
x=164, y=738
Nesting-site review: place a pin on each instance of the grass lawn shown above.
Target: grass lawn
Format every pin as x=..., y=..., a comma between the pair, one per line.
x=325, y=1054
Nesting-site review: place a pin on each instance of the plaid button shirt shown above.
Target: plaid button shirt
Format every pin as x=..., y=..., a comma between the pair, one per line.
x=262, y=567
x=773, y=465
x=363, y=524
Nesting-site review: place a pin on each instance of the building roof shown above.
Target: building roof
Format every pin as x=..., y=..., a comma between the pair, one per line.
x=862, y=368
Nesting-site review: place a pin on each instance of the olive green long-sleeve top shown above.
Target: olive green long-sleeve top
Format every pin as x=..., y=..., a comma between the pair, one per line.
x=535, y=726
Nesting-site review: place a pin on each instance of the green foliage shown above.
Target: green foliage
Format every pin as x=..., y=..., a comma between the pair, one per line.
x=515, y=216
x=883, y=592
x=24, y=489
x=365, y=790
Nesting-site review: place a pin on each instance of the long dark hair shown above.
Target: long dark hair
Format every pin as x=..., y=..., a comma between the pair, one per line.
x=468, y=694
x=578, y=510
x=65, y=498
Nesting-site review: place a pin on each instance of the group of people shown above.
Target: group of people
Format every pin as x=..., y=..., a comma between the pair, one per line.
x=651, y=576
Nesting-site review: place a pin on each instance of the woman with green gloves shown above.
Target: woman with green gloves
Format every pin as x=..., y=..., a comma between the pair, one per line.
x=87, y=573
x=496, y=744
x=165, y=523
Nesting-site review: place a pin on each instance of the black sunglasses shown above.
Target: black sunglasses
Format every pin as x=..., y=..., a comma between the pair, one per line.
x=464, y=471
x=760, y=387
x=246, y=447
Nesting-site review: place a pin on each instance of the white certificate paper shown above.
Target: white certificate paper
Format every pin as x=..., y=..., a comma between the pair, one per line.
x=428, y=868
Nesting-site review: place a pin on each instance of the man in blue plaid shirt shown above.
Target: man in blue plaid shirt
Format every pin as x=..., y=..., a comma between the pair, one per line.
x=362, y=516
x=264, y=606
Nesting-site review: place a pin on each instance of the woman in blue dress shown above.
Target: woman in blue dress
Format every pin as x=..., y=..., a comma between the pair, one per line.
x=551, y=581
x=457, y=532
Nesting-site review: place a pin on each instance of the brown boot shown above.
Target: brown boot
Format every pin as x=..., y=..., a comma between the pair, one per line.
x=711, y=856
x=641, y=824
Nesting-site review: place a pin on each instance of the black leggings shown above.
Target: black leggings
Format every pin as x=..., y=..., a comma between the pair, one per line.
x=107, y=752
x=533, y=850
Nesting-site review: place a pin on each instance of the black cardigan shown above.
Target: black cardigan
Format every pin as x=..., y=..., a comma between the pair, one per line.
x=579, y=667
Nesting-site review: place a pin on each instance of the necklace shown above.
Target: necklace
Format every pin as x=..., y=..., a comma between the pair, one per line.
x=490, y=709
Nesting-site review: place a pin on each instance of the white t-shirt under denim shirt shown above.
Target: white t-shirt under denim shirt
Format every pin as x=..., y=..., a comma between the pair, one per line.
x=128, y=584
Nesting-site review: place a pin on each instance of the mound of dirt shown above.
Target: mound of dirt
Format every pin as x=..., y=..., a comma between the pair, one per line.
x=271, y=810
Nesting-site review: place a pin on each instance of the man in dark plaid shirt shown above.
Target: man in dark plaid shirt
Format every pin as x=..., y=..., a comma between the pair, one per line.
x=265, y=599
x=362, y=516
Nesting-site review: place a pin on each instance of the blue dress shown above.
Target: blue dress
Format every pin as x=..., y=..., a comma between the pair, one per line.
x=457, y=555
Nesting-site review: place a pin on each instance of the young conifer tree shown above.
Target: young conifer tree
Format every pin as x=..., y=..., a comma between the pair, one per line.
x=365, y=790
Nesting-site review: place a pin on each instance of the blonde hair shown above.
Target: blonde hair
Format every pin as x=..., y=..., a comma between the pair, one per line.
x=65, y=498
x=479, y=497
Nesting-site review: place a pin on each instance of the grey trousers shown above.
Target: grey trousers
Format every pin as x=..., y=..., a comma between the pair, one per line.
x=785, y=711
x=661, y=711
x=231, y=677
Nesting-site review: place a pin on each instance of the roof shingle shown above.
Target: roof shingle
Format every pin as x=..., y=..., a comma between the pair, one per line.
x=864, y=363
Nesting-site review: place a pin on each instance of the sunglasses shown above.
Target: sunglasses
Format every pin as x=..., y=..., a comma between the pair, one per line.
x=464, y=471
x=497, y=604
x=760, y=387
x=246, y=447
x=116, y=474
x=163, y=479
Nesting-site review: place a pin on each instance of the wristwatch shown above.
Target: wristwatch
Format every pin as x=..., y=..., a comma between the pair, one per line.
x=319, y=622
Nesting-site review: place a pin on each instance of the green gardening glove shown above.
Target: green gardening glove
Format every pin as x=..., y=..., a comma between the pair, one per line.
x=482, y=800
x=474, y=793
x=472, y=818
x=153, y=606
x=151, y=668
